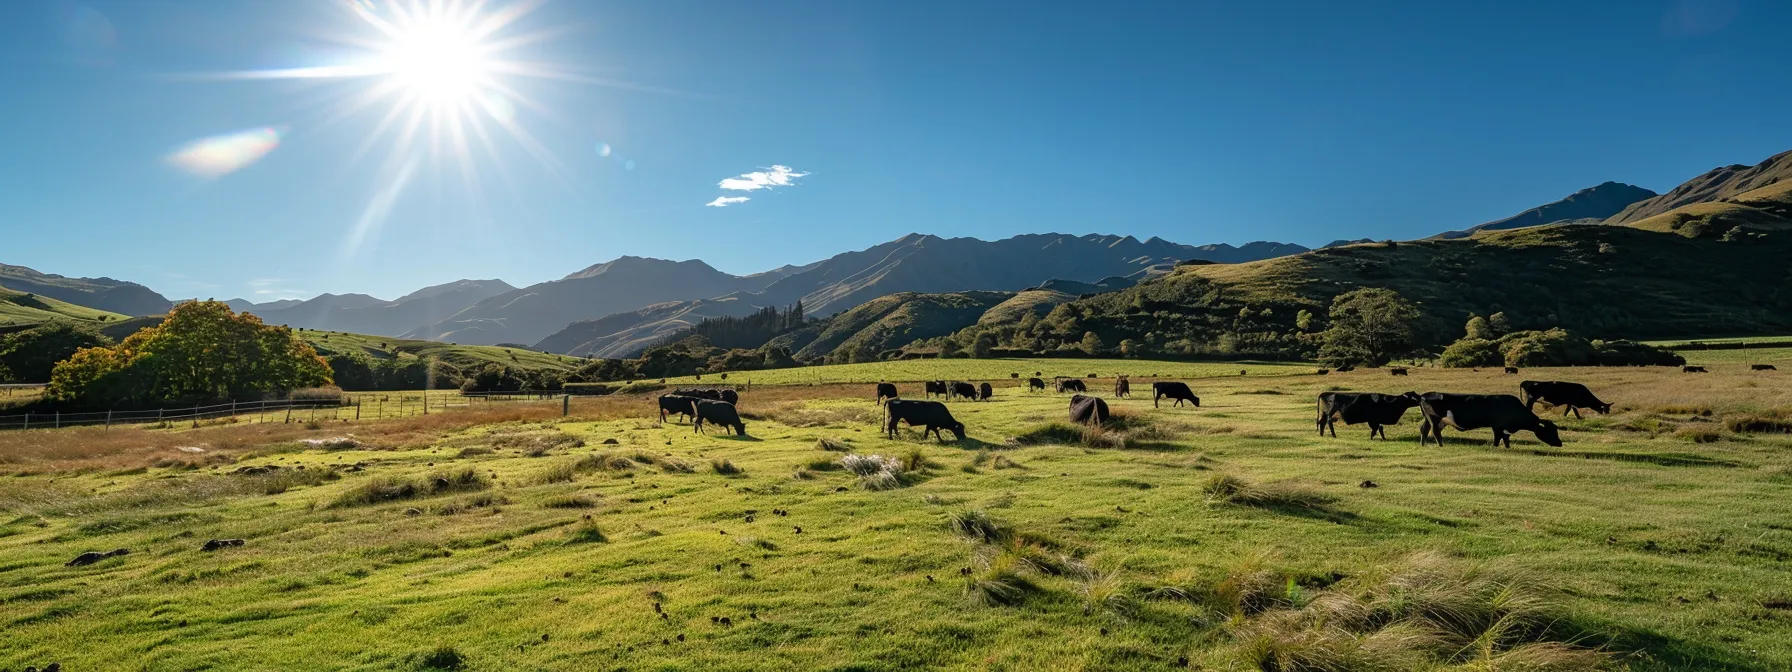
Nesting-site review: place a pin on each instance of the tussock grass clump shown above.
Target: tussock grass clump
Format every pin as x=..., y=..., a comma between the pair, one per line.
x=276, y=482
x=1758, y=424
x=833, y=445
x=473, y=451
x=798, y=415
x=1700, y=434
x=480, y=501
x=875, y=472
x=666, y=463
x=391, y=489
x=586, y=532
x=1234, y=490
x=823, y=464
x=725, y=467
x=441, y=658
x=977, y=525
x=1424, y=613
x=573, y=501
x=1000, y=580
x=1122, y=431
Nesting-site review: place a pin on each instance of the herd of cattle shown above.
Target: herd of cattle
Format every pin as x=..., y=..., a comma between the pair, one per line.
x=1505, y=414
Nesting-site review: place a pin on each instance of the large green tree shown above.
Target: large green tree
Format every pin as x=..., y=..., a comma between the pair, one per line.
x=30, y=355
x=1369, y=326
x=202, y=351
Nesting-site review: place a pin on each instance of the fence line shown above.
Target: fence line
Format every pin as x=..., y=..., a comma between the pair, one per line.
x=283, y=410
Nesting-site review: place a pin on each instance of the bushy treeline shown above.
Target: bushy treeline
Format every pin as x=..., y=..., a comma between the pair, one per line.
x=357, y=372
x=28, y=356
x=694, y=355
x=746, y=333
x=1552, y=347
x=203, y=351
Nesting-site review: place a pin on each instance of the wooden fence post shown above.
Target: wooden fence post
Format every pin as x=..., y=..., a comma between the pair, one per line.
x=357, y=411
x=108, y=418
x=288, y=419
x=58, y=420
x=27, y=421
x=565, y=405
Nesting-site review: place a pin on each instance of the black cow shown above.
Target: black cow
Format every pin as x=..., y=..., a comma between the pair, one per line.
x=963, y=391
x=886, y=391
x=1762, y=367
x=1122, y=388
x=936, y=387
x=1088, y=410
x=932, y=415
x=711, y=394
x=1347, y=368
x=719, y=413
x=1503, y=413
x=1321, y=372
x=1379, y=410
x=1071, y=385
x=675, y=403
x=984, y=392
x=1574, y=396
x=1173, y=390
x=1512, y=370
x=1035, y=384
x=1692, y=369
x=1397, y=371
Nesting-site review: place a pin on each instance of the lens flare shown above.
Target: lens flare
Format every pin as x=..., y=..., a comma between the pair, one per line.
x=220, y=155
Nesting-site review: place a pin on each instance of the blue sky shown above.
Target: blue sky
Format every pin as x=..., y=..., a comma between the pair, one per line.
x=1195, y=121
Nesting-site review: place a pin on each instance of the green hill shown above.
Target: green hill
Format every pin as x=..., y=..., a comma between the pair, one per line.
x=18, y=309
x=1039, y=302
x=464, y=357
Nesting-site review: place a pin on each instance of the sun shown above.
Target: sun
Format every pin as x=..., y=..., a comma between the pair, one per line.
x=438, y=60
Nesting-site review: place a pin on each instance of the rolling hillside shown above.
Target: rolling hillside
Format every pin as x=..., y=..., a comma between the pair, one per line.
x=464, y=357
x=104, y=294
x=19, y=309
x=624, y=335
x=1717, y=185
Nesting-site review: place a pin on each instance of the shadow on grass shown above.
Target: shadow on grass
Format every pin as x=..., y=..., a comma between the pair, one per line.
x=1662, y=459
x=1647, y=650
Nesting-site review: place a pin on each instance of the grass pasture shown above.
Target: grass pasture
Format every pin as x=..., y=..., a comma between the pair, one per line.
x=465, y=357
x=916, y=370
x=21, y=308
x=507, y=537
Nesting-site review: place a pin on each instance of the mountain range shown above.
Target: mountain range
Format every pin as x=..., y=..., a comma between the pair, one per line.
x=618, y=308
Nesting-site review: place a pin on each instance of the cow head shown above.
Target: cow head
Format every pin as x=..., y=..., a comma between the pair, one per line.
x=740, y=428
x=1603, y=408
x=1411, y=399
x=957, y=430
x=1546, y=432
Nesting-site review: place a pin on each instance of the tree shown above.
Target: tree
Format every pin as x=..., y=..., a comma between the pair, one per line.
x=1092, y=343
x=202, y=351
x=1303, y=320
x=30, y=355
x=1479, y=328
x=983, y=345
x=1471, y=353
x=948, y=348
x=1129, y=348
x=1369, y=326
x=1501, y=326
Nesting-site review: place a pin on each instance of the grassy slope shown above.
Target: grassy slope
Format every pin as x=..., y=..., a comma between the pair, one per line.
x=464, y=357
x=16, y=309
x=1682, y=568
x=922, y=316
x=1036, y=301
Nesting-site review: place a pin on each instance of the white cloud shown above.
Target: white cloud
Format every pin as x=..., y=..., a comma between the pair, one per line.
x=275, y=288
x=725, y=201
x=775, y=176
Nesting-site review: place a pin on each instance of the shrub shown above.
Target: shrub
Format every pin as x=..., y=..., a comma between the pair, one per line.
x=586, y=532
x=1471, y=353
x=442, y=658
x=1758, y=424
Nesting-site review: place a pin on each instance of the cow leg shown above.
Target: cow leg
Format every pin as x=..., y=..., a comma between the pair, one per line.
x=1154, y=399
x=1373, y=430
x=1576, y=410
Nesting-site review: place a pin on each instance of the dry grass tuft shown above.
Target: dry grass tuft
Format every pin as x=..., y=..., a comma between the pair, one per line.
x=725, y=468
x=1234, y=490
x=390, y=489
x=979, y=526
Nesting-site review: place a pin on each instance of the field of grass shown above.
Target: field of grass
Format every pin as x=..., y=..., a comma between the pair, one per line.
x=916, y=370
x=507, y=537
x=20, y=308
x=1740, y=358
x=465, y=357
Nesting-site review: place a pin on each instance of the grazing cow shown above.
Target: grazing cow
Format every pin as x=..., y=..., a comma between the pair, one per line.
x=1379, y=410
x=720, y=413
x=1173, y=390
x=1503, y=413
x=1573, y=396
x=1071, y=385
x=1093, y=375
x=1014, y=376
x=1122, y=388
x=1347, y=368
x=886, y=391
x=1321, y=372
x=936, y=387
x=1692, y=369
x=1512, y=370
x=932, y=415
x=1035, y=384
x=1762, y=367
x=711, y=394
x=680, y=404
x=962, y=391
x=1088, y=410
x=1397, y=371
x=985, y=391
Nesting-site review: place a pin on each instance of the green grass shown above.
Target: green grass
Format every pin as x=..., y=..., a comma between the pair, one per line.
x=1739, y=357
x=987, y=555
x=917, y=370
x=20, y=308
x=465, y=357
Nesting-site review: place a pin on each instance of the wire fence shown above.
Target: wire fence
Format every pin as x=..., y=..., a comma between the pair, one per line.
x=363, y=406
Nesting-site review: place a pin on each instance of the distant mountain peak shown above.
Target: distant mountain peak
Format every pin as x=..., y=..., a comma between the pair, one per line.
x=1596, y=203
